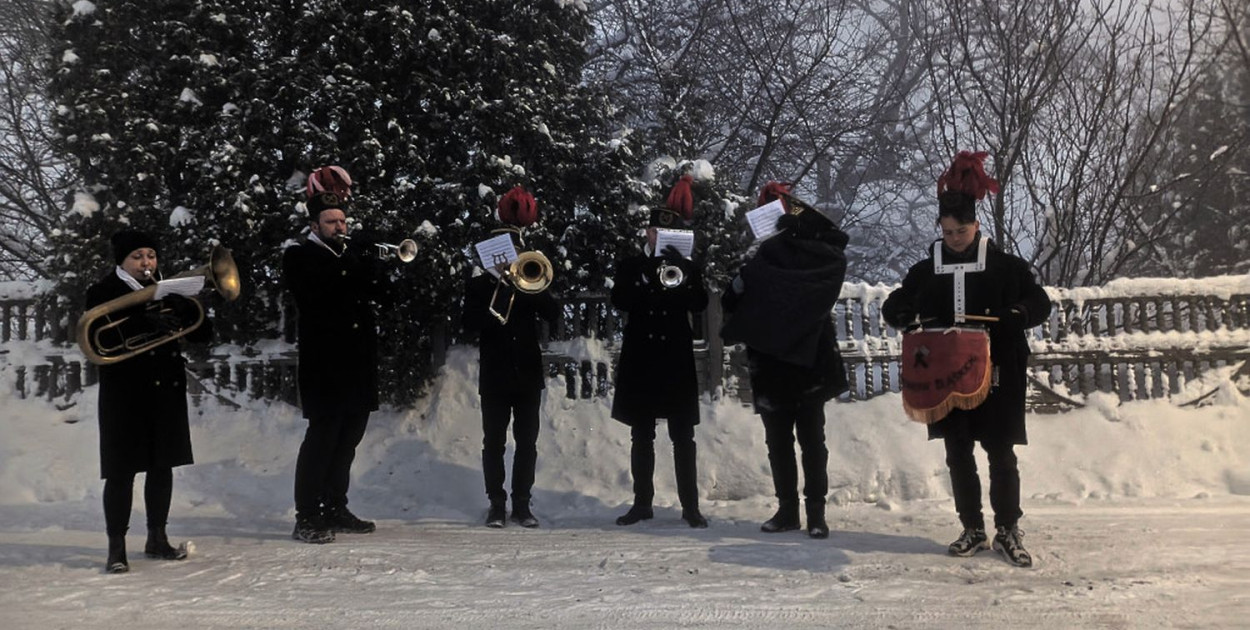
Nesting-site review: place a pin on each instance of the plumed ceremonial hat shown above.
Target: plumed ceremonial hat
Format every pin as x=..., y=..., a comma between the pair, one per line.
x=517, y=208
x=678, y=210
x=328, y=187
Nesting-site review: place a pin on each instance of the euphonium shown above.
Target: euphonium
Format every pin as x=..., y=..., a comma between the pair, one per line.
x=220, y=271
x=531, y=272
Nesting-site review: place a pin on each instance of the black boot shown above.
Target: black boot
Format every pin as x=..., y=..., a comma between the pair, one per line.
x=785, y=520
x=158, y=545
x=816, y=526
x=116, y=562
x=496, y=515
x=636, y=513
x=685, y=463
x=522, y=515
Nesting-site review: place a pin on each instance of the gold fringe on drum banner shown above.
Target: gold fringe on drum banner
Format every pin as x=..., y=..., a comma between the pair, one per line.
x=944, y=369
x=954, y=401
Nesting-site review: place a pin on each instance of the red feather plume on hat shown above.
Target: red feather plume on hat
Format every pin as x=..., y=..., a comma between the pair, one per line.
x=517, y=207
x=330, y=179
x=681, y=198
x=775, y=190
x=967, y=175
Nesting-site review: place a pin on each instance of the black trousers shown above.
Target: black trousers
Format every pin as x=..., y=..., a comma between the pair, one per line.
x=807, y=422
x=966, y=483
x=323, y=469
x=642, y=462
x=158, y=490
x=521, y=410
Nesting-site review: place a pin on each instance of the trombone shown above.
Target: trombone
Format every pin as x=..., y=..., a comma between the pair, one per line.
x=531, y=272
x=220, y=271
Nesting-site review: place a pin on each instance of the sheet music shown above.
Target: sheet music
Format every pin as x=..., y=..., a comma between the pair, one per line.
x=494, y=251
x=683, y=240
x=763, y=220
x=190, y=286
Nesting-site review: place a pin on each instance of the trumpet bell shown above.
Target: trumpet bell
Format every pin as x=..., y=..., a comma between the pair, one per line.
x=671, y=276
x=406, y=251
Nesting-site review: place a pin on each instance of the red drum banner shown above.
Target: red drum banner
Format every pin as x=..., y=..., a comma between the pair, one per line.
x=944, y=369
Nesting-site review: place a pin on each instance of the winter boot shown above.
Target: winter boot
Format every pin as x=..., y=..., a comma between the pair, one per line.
x=521, y=515
x=496, y=516
x=158, y=546
x=635, y=514
x=116, y=562
x=340, y=519
x=312, y=530
x=786, y=519
x=816, y=526
x=972, y=540
x=1009, y=541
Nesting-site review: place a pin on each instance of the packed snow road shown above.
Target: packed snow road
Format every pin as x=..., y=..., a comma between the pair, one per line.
x=1120, y=564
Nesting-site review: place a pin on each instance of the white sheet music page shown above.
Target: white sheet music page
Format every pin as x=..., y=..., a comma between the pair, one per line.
x=683, y=240
x=494, y=251
x=763, y=220
x=189, y=286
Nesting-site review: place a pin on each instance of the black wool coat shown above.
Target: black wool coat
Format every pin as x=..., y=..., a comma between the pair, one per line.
x=511, y=359
x=655, y=373
x=143, y=399
x=338, y=337
x=1007, y=282
x=785, y=317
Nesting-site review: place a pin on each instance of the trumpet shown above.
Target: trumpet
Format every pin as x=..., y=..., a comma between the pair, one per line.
x=405, y=251
x=220, y=271
x=531, y=272
x=671, y=276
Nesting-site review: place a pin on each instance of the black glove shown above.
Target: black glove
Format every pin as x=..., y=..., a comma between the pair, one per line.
x=164, y=316
x=1011, y=318
x=903, y=318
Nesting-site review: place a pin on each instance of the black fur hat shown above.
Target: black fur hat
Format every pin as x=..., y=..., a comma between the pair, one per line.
x=127, y=241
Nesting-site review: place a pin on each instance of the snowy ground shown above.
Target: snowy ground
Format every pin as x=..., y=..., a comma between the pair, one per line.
x=1137, y=516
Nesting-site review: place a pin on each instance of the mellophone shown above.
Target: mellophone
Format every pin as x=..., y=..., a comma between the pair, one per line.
x=942, y=369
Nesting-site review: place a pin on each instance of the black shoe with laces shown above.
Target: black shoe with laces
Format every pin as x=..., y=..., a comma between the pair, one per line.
x=496, y=516
x=341, y=520
x=312, y=530
x=524, y=517
x=635, y=514
x=972, y=540
x=1009, y=540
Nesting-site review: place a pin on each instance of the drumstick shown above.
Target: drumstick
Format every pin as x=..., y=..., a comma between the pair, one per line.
x=981, y=318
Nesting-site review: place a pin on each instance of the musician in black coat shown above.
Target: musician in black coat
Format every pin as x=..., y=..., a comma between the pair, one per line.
x=510, y=378
x=655, y=374
x=335, y=288
x=143, y=401
x=1005, y=289
x=781, y=306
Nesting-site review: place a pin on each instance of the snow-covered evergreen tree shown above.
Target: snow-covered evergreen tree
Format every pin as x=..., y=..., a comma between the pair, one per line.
x=199, y=120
